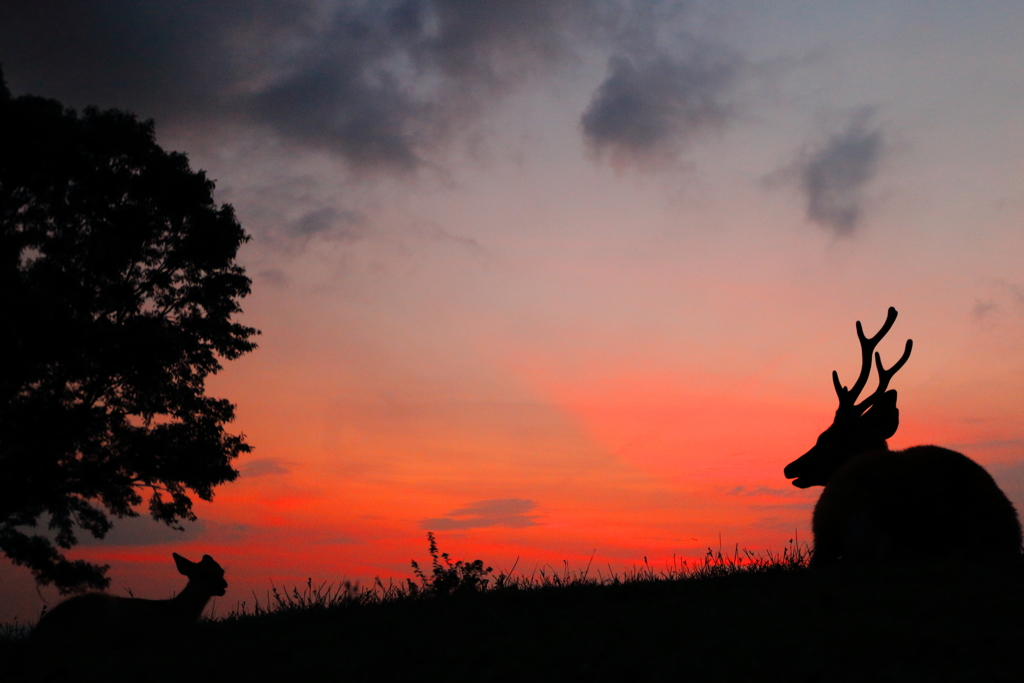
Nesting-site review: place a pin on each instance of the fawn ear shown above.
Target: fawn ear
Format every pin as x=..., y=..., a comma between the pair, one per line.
x=883, y=418
x=184, y=566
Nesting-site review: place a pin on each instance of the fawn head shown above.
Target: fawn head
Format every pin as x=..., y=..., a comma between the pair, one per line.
x=206, y=575
x=857, y=427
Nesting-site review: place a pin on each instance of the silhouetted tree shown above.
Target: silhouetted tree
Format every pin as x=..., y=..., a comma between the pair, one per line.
x=117, y=288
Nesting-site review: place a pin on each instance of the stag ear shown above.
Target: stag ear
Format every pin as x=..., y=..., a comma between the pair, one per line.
x=883, y=418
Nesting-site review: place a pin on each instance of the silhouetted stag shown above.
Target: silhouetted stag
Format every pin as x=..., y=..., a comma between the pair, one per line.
x=99, y=616
x=922, y=502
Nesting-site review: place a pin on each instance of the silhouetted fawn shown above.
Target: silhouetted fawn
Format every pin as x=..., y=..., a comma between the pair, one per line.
x=99, y=616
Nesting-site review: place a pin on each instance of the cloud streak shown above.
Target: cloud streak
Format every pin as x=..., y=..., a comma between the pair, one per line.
x=507, y=512
x=263, y=467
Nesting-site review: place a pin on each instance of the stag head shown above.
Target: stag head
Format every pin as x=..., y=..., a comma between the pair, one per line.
x=857, y=427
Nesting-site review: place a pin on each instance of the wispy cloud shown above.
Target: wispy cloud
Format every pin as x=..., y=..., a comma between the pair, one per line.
x=1002, y=297
x=834, y=173
x=982, y=309
x=507, y=512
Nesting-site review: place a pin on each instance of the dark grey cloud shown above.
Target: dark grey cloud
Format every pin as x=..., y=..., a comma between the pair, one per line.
x=651, y=106
x=377, y=82
x=507, y=512
x=144, y=530
x=339, y=93
x=384, y=84
x=833, y=175
x=487, y=41
x=160, y=58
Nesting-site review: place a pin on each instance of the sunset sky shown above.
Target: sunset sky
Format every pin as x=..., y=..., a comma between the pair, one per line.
x=561, y=279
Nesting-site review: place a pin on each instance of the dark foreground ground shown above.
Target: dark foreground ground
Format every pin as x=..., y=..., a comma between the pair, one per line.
x=919, y=623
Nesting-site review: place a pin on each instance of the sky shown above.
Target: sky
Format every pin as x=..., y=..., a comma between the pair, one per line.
x=565, y=282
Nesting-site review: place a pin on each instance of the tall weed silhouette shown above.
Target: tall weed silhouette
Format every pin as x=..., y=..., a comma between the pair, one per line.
x=449, y=577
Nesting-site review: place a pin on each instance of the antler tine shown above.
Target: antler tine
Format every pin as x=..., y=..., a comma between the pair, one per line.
x=847, y=397
x=885, y=375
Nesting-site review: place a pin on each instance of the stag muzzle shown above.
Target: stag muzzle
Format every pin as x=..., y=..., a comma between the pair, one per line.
x=798, y=471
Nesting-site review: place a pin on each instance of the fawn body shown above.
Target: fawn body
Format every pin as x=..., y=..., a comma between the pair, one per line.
x=922, y=502
x=100, y=615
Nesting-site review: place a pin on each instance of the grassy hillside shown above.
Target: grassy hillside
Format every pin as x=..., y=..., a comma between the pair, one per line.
x=770, y=619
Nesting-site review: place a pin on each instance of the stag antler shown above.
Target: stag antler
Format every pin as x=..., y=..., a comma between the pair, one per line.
x=848, y=397
x=884, y=376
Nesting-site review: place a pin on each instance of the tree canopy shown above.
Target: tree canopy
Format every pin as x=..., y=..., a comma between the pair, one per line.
x=118, y=287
